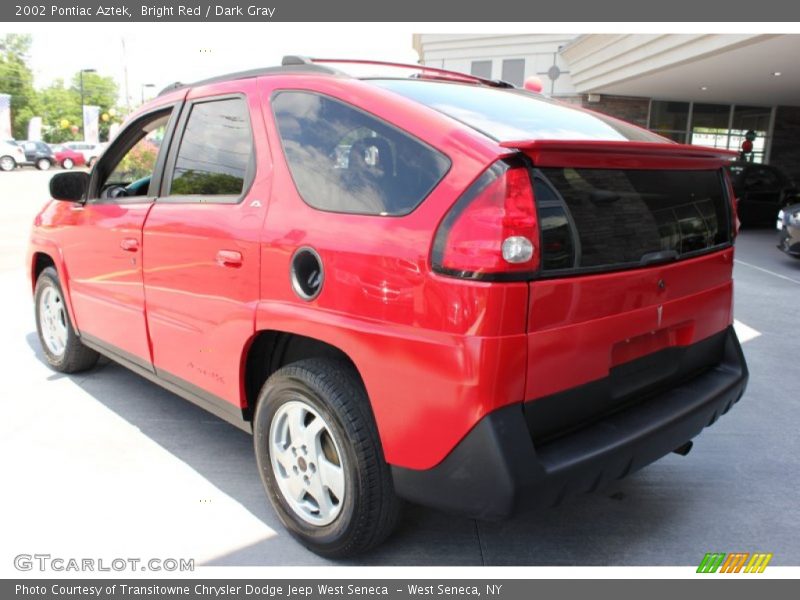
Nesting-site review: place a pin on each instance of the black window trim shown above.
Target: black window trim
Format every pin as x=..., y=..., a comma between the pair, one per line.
x=180, y=131
x=99, y=173
x=577, y=248
x=383, y=121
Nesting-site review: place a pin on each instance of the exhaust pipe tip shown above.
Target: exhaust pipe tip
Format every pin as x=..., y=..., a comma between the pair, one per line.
x=684, y=449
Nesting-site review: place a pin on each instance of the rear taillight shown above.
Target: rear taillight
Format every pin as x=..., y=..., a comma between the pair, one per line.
x=491, y=232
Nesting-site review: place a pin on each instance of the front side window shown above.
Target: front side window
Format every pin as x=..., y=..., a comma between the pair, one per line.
x=344, y=160
x=139, y=161
x=215, y=151
x=136, y=151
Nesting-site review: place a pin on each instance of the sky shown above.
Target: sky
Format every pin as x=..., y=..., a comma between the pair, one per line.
x=162, y=53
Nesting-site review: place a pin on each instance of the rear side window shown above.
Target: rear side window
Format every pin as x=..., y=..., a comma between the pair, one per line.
x=601, y=219
x=215, y=151
x=345, y=160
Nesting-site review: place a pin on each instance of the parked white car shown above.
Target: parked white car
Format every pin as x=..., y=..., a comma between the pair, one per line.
x=11, y=155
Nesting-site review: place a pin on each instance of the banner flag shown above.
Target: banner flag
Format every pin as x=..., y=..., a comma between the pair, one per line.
x=91, y=117
x=5, y=117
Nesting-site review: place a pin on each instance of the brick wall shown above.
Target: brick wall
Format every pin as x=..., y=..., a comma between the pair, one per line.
x=785, y=151
x=628, y=108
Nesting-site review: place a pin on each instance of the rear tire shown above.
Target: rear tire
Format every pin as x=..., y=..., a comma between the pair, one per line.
x=313, y=425
x=61, y=345
x=43, y=164
x=7, y=163
x=67, y=163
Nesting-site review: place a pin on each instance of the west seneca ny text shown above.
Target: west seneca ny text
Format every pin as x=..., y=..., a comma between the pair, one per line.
x=156, y=11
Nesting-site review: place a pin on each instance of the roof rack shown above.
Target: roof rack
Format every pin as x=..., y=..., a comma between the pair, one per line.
x=425, y=72
x=294, y=65
x=304, y=64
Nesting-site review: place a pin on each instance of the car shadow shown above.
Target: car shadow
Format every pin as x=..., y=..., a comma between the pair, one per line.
x=599, y=529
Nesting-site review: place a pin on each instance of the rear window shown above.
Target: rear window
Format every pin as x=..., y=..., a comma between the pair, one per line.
x=345, y=160
x=602, y=219
x=512, y=114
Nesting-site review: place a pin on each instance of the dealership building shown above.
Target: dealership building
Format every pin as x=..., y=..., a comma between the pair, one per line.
x=693, y=88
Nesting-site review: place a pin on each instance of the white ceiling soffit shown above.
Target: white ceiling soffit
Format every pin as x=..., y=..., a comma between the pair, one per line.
x=738, y=69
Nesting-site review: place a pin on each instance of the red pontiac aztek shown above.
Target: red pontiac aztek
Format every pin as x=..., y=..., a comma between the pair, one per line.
x=436, y=288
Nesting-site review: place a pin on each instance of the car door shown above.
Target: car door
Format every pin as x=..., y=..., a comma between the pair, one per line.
x=30, y=151
x=201, y=240
x=103, y=247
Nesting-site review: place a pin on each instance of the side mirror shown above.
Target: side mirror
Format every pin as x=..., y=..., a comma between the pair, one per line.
x=71, y=187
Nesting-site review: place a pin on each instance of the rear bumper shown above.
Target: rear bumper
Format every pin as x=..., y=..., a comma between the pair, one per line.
x=497, y=468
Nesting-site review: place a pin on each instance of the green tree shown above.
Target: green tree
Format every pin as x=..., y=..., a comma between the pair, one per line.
x=97, y=91
x=59, y=104
x=16, y=78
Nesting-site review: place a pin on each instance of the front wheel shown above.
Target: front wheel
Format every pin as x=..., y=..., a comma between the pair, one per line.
x=62, y=346
x=43, y=164
x=320, y=458
x=67, y=163
x=7, y=163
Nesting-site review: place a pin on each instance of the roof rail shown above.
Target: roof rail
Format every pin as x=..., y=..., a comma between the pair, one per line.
x=425, y=71
x=296, y=63
x=290, y=64
x=292, y=60
x=171, y=88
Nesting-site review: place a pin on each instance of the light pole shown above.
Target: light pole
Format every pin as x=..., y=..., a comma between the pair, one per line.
x=146, y=85
x=83, y=123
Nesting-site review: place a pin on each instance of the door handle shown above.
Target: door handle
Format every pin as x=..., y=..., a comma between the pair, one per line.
x=229, y=258
x=129, y=244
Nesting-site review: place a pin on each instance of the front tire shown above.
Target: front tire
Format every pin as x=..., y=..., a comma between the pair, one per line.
x=320, y=458
x=7, y=163
x=67, y=163
x=61, y=345
x=43, y=164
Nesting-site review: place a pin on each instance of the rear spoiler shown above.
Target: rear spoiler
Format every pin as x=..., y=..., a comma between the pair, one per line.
x=624, y=154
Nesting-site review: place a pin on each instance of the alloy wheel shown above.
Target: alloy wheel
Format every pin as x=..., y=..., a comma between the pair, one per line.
x=307, y=463
x=53, y=321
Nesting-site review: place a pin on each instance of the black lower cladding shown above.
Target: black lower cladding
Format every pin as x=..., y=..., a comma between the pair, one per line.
x=504, y=464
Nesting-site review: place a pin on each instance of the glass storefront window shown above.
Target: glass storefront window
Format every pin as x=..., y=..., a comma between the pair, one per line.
x=714, y=125
x=669, y=116
x=669, y=119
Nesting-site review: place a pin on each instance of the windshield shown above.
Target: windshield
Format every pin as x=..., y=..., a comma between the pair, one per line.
x=514, y=114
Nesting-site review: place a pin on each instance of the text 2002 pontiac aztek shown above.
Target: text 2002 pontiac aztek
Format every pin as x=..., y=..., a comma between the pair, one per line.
x=437, y=288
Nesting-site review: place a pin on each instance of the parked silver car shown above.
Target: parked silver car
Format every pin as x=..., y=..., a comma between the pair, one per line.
x=11, y=155
x=789, y=227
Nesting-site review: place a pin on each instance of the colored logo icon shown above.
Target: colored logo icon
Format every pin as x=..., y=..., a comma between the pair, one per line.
x=735, y=562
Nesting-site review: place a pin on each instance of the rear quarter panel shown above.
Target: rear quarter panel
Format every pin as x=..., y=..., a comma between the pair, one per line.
x=431, y=350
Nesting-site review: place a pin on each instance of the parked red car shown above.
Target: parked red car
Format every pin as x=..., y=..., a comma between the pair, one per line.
x=437, y=288
x=67, y=157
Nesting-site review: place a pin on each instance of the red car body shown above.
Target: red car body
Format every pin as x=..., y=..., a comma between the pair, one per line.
x=448, y=362
x=64, y=154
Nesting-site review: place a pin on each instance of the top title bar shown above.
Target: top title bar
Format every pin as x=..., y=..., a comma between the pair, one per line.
x=406, y=10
